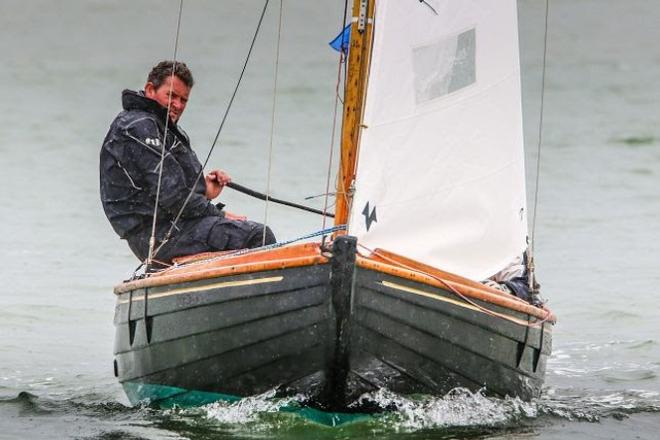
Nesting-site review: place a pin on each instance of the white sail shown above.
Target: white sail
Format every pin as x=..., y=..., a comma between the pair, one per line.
x=441, y=154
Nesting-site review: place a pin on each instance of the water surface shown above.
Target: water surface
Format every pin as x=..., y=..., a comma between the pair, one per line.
x=64, y=67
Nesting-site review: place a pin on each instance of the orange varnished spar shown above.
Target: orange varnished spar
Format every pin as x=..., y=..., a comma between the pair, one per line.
x=307, y=254
x=354, y=98
x=468, y=288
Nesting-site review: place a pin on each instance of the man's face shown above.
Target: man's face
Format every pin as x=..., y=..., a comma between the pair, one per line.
x=180, y=93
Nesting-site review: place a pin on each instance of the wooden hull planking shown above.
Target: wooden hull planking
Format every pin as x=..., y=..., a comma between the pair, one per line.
x=328, y=327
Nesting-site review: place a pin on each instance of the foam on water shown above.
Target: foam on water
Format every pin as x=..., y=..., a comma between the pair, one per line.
x=459, y=408
x=248, y=409
x=459, y=413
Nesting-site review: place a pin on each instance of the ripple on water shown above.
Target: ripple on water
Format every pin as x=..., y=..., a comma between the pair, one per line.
x=637, y=140
x=642, y=345
x=619, y=315
x=642, y=171
x=25, y=404
x=591, y=406
x=631, y=375
x=610, y=362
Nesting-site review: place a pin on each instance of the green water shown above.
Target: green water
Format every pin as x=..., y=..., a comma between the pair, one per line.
x=166, y=397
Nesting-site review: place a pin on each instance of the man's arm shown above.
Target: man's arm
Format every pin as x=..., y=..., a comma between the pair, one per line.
x=174, y=191
x=215, y=182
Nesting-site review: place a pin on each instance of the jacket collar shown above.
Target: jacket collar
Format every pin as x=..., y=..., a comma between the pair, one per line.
x=137, y=101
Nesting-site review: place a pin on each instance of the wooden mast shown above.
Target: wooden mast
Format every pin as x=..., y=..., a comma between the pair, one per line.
x=354, y=97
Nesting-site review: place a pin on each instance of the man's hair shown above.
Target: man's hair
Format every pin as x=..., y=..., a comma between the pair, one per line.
x=163, y=70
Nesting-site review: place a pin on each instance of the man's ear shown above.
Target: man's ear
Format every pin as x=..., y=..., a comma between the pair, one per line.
x=150, y=90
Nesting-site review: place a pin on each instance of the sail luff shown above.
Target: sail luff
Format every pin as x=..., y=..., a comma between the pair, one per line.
x=354, y=98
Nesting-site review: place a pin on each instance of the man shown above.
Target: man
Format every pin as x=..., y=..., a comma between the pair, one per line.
x=129, y=166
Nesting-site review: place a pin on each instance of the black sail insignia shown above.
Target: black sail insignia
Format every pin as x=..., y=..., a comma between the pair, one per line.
x=369, y=216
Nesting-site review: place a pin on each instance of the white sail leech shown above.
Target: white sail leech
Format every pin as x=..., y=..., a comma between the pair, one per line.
x=441, y=160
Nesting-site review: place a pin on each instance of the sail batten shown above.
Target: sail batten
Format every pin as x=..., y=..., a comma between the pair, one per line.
x=441, y=174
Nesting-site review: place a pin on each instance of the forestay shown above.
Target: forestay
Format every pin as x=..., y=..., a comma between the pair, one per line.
x=440, y=176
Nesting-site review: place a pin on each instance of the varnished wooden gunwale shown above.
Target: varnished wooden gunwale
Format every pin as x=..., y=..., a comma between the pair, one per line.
x=186, y=259
x=463, y=286
x=388, y=257
x=306, y=254
x=203, y=266
x=194, y=262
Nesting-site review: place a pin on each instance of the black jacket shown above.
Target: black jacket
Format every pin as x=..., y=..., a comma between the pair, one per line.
x=129, y=164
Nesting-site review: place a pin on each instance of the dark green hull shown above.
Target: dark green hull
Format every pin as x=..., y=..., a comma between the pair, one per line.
x=330, y=332
x=411, y=343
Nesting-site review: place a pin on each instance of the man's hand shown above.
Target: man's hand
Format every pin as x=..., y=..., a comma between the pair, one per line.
x=215, y=181
x=230, y=216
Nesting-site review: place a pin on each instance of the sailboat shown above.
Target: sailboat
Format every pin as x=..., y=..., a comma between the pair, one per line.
x=431, y=193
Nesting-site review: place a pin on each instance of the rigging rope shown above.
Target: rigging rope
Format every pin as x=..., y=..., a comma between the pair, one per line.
x=217, y=135
x=239, y=252
x=342, y=61
x=272, y=122
x=152, y=238
x=530, y=259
